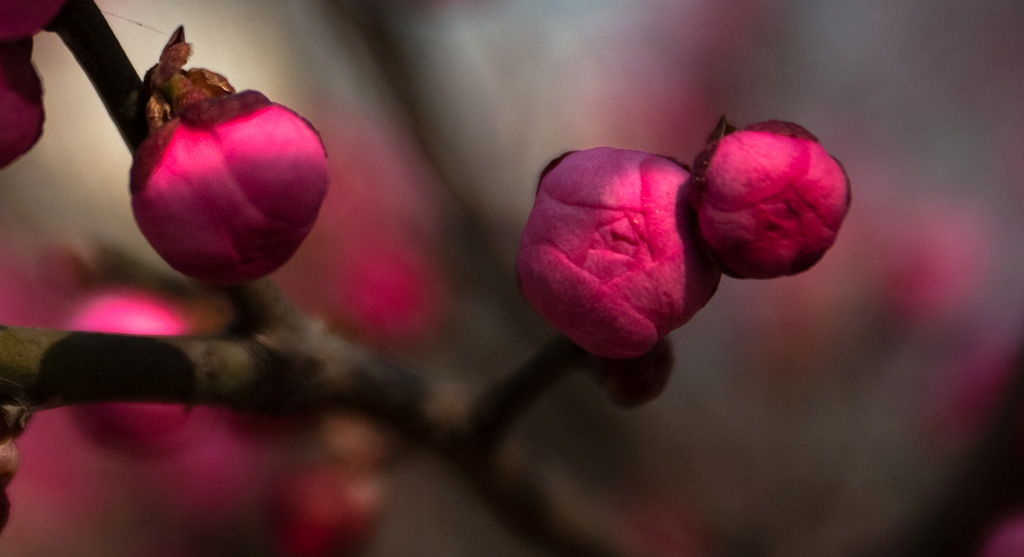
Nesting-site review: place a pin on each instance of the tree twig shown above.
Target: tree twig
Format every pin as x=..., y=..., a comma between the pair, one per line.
x=82, y=28
x=497, y=408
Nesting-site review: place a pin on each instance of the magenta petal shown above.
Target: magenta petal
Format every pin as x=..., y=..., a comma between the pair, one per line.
x=20, y=19
x=21, y=101
x=602, y=258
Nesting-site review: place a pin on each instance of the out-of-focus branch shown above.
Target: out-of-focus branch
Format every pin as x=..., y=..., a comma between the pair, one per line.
x=287, y=373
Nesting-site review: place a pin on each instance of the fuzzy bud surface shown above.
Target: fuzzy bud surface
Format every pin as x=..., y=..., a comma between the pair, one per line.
x=227, y=190
x=607, y=258
x=21, y=101
x=769, y=199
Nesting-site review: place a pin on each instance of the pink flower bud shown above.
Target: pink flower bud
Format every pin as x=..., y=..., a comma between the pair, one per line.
x=227, y=190
x=142, y=428
x=607, y=258
x=769, y=199
x=20, y=19
x=21, y=100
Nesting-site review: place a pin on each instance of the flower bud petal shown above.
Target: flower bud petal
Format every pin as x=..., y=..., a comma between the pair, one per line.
x=20, y=19
x=21, y=101
x=769, y=200
x=227, y=191
x=607, y=258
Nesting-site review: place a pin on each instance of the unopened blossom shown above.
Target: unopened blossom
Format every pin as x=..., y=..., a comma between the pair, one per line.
x=769, y=199
x=226, y=185
x=606, y=258
x=20, y=19
x=227, y=191
x=21, y=100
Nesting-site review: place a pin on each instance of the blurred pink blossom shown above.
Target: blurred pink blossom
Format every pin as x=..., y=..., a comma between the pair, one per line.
x=319, y=512
x=938, y=255
x=1006, y=539
x=372, y=263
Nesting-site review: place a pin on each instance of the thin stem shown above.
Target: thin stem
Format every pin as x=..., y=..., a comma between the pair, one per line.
x=85, y=32
x=499, y=407
x=260, y=304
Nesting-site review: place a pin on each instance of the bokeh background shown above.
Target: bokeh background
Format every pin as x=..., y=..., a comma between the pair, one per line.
x=807, y=416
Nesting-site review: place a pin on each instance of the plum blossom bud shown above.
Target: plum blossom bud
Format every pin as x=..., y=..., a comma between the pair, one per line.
x=769, y=199
x=607, y=258
x=21, y=100
x=227, y=185
x=20, y=19
x=227, y=191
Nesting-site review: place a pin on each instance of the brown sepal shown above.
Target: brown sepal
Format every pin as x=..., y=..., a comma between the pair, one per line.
x=172, y=59
x=637, y=381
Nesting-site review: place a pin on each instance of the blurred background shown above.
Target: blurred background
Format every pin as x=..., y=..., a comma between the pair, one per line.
x=807, y=416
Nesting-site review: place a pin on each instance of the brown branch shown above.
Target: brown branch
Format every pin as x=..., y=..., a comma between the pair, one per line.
x=498, y=408
x=313, y=372
x=85, y=32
